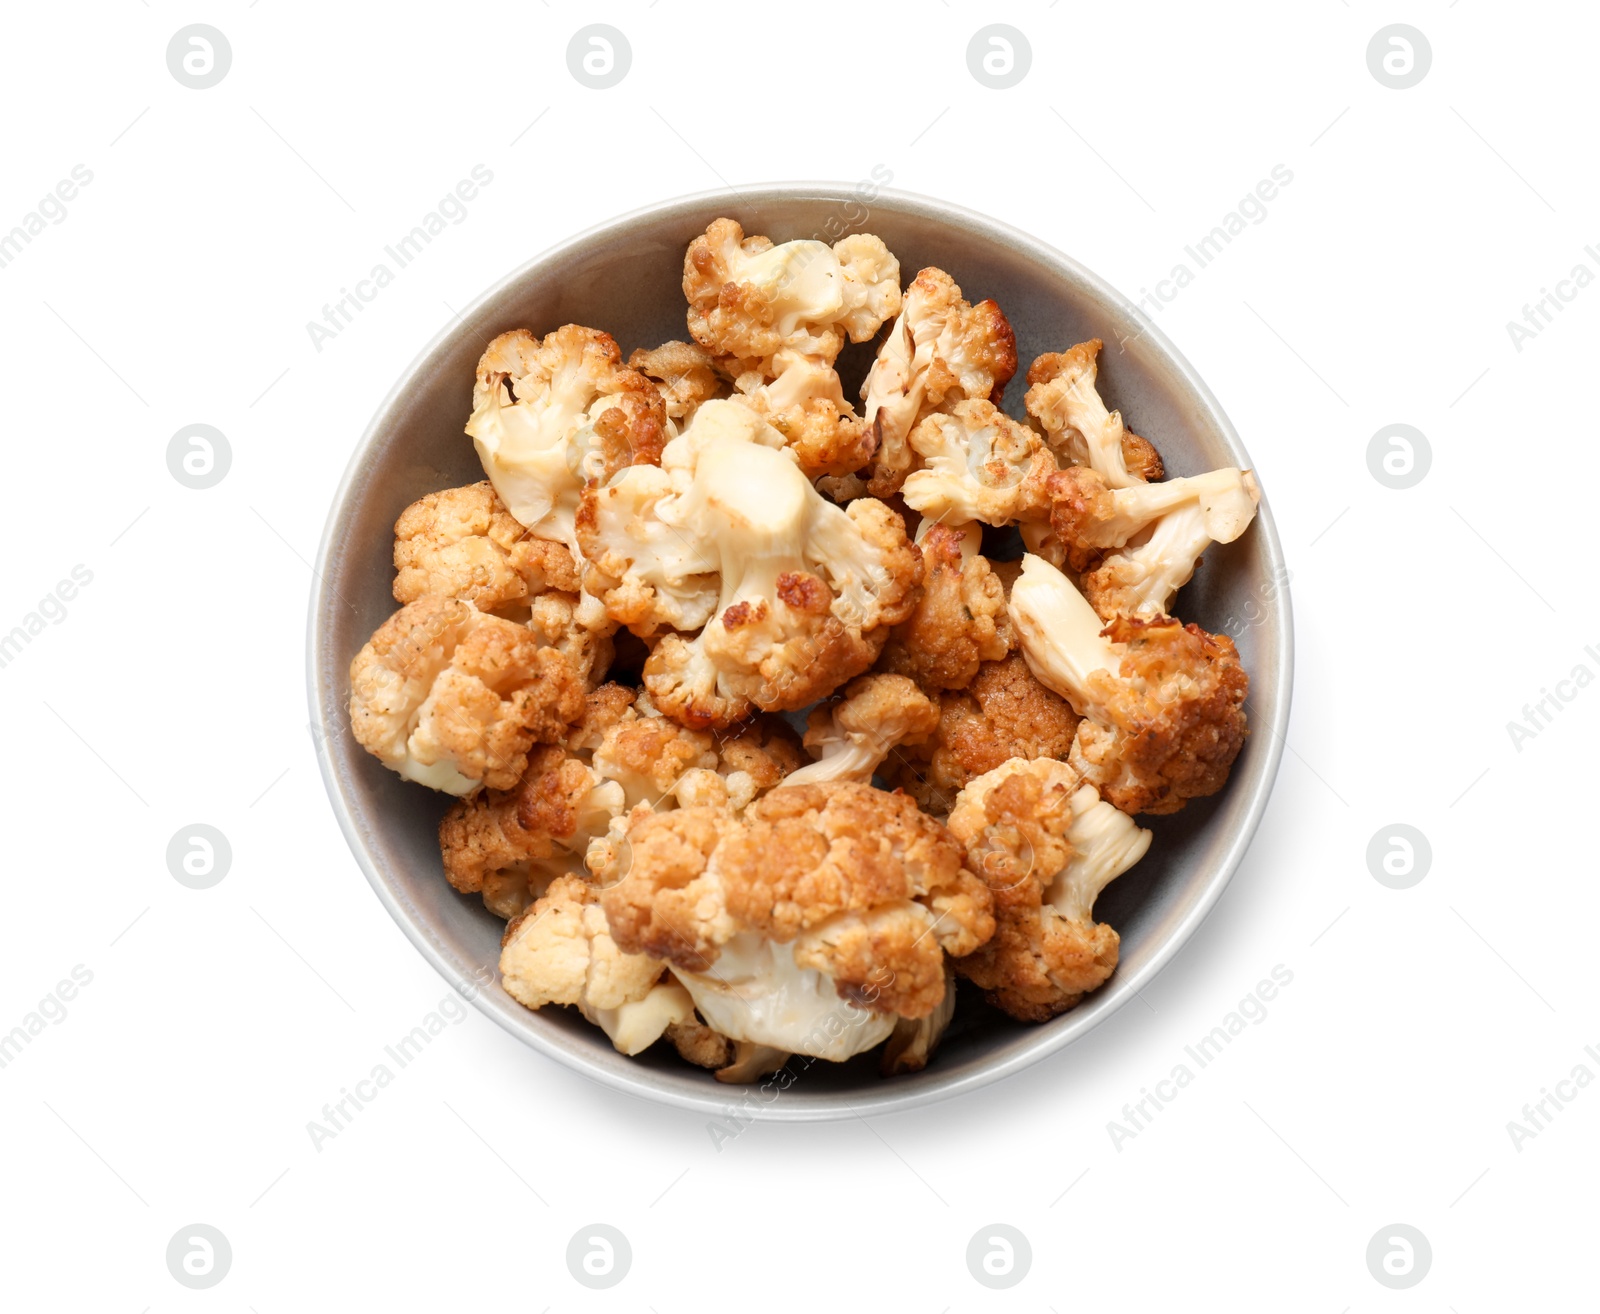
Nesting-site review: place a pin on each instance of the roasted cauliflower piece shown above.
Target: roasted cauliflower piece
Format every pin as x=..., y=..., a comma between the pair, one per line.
x=1171, y=525
x=959, y=620
x=795, y=596
x=575, y=799
x=1004, y=712
x=1064, y=400
x=852, y=735
x=912, y=1043
x=548, y=415
x=940, y=350
x=751, y=299
x=811, y=924
x=805, y=403
x=463, y=543
x=975, y=462
x=1047, y=845
x=1163, y=702
x=453, y=698
x=560, y=951
x=685, y=375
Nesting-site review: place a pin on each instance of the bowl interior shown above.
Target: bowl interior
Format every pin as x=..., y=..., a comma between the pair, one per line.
x=625, y=278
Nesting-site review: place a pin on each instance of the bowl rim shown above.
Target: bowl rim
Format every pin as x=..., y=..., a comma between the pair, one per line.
x=923, y=1088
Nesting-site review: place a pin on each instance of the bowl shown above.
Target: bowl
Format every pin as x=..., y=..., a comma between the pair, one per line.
x=624, y=277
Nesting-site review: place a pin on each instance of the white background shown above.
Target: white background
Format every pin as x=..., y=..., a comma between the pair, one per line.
x=1419, y=1022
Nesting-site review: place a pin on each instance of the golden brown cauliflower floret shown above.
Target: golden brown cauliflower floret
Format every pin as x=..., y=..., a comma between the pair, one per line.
x=1163, y=702
x=959, y=620
x=463, y=543
x=751, y=299
x=1004, y=713
x=811, y=924
x=550, y=414
x=487, y=849
x=791, y=594
x=1047, y=845
x=805, y=403
x=939, y=351
x=850, y=736
x=1141, y=544
x=559, y=951
x=452, y=698
x=684, y=373
x=975, y=462
x=1065, y=401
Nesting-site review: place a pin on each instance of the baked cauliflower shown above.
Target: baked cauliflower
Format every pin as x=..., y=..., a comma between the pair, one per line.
x=550, y=414
x=560, y=951
x=1063, y=398
x=1004, y=712
x=851, y=736
x=805, y=403
x=453, y=698
x=575, y=799
x=685, y=374
x=810, y=925
x=974, y=462
x=1140, y=545
x=1047, y=845
x=939, y=350
x=959, y=620
x=750, y=299
x=792, y=595
x=1162, y=702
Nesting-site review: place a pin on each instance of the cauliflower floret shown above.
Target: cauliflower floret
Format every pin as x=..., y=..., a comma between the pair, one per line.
x=1163, y=703
x=1063, y=398
x=940, y=350
x=576, y=626
x=463, y=543
x=795, y=596
x=1004, y=713
x=1160, y=529
x=549, y=415
x=751, y=299
x=1047, y=845
x=912, y=1043
x=575, y=799
x=805, y=403
x=559, y=951
x=651, y=566
x=977, y=463
x=684, y=374
x=810, y=925
x=960, y=619
x=452, y=698
x=851, y=736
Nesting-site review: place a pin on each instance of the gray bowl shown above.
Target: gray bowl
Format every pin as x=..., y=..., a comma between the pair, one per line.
x=624, y=277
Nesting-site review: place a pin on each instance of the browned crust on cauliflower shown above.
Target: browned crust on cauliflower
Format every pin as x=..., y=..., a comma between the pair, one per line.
x=1178, y=716
x=463, y=543
x=1038, y=964
x=440, y=682
x=684, y=373
x=958, y=622
x=1140, y=456
x=1004, y=713
x=850, y=872
x=483, y=836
